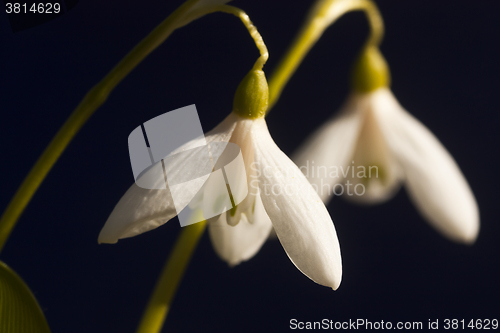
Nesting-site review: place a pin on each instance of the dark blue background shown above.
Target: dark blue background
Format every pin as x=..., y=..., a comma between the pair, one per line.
x=444, y=57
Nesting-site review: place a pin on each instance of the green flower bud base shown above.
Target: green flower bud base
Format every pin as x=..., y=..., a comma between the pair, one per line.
x=252, y=96
x=370, y=71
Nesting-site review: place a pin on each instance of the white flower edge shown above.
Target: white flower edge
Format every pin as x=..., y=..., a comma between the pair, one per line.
x=299, y=217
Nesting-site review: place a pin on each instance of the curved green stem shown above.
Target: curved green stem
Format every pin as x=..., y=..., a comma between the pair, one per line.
x=259, y=42
x=252, y=30
x=170, y=278
x=92, y=100
x=321, y=16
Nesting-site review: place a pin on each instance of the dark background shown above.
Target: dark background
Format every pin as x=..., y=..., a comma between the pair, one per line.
x=444, y=57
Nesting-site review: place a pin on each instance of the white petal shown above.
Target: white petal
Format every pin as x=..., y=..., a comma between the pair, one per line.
x=235, y=244
x=434, y=181
x=141, y=210
x=242, y=137
x=330, y=149
x=297, y=213
x=216, y=199
x=373, y=176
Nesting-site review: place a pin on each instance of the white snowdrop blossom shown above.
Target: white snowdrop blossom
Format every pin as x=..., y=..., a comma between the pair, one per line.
x=376, y=145
x=279, y=197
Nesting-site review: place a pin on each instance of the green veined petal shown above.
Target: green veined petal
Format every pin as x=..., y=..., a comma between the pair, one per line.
x=19, y=310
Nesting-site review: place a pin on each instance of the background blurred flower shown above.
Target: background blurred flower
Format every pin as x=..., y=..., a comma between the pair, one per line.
x=378, y=145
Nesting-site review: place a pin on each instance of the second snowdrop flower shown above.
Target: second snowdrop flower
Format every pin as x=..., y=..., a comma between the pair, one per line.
x=374, y=145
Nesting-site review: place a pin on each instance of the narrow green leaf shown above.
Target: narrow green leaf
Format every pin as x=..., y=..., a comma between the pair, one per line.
x=19, y=310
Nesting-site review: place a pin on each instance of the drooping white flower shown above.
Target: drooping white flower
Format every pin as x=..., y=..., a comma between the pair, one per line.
x=374, y=144
x=279, y=196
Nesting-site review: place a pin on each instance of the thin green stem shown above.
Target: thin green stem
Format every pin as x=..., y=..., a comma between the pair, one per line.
x=322, y=15
x=170, y=278
x=98, y=95
x=252, y=30
x=259, y=42
x=92, y=100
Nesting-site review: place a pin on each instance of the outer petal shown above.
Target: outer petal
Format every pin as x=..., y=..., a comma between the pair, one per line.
x=330, y=149
x=300, y=219
x=235, y=244
x=434, y=181
x=141, y=210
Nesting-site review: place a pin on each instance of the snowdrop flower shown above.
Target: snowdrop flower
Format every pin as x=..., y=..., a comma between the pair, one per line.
x=374, y=145
x=279, y=197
